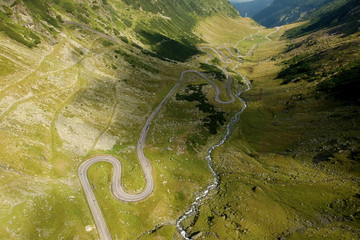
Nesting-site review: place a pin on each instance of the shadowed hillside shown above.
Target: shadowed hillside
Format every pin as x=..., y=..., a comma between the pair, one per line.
x=282, y=12
x=251, y=8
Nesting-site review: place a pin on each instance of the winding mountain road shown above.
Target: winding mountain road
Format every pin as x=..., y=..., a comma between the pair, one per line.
x=116, y=186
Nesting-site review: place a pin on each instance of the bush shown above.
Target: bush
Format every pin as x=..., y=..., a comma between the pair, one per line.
x=219, y=75
x=137, y=63
x=215, y=119
x=68, y=7
x=107, y=43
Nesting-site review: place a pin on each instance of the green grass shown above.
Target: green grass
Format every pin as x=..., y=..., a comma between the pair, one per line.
x=334, y=67
x=137, y=63
x=344, y=85
x=340, y=17
x=270, y=187
x=215, y=119
x=164, y=205
x=43, y=215
x=6, y=67
x=167, y=47
x=17, y=32
x=41, y=9
x=219, y=75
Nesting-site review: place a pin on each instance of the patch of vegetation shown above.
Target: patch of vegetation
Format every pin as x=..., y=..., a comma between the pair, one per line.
x=136, y=46
x=176, y=50
x=319, y=65
x=7, y=10
x=5, y=68
x=298, y=68
x=68, y=7
x=17, y=32
x=135, y=62
x=116, y=32
x=119, y=51
x=167, y=47
x=151, y=38
x=80, y=11
x=184, y=18
x=83, y=18
x=152, y=54
x=124, y=39
x=343, y=86
x=211, y=69
x=215, y=61
x=58, y=17
x=193, y=93
x=107, y=43
x=322, y=157
x=95, y=7
x=238, y=78
x=127, y=22
x=40, y=9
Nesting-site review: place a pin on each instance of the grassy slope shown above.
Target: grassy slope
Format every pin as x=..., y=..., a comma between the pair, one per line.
x=271, y=187
x=162, y=29
x=80, y=94
x=341, y=16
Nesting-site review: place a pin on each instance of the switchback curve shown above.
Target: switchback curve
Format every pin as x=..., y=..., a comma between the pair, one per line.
x=116, y=185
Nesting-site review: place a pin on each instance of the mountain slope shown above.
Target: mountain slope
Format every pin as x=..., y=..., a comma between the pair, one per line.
x=291, y=167
x=166, y=24
x=282, y=12
x=79, y=78
x=334, y=66
x=340, y=18
x=251, y=8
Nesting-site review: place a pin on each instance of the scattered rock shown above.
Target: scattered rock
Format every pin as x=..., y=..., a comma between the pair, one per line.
x=89, y=228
